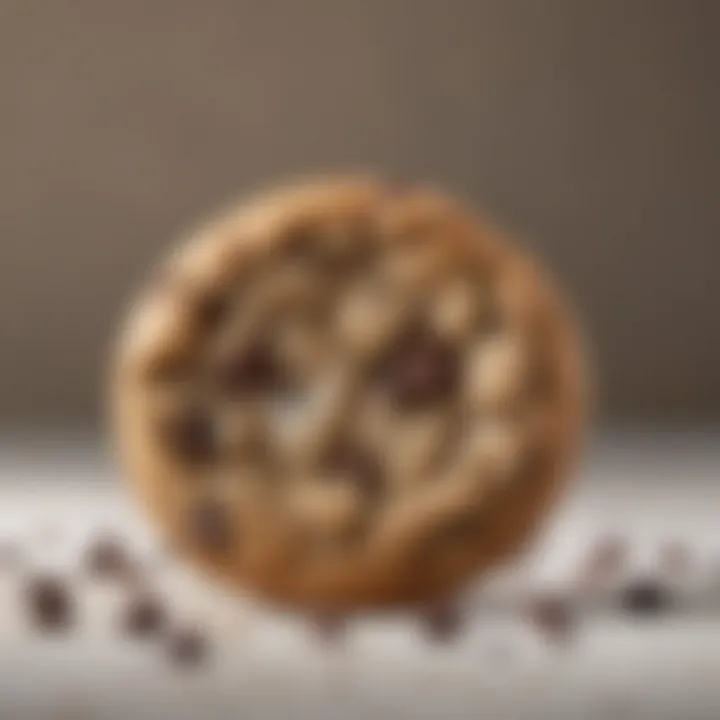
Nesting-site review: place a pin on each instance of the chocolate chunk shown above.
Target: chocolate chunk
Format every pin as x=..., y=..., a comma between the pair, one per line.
x=251, y=371
x=211, y=527
x=347, y=462
x=190, y=435
x=646, y=597
x=107, y=559
x=187, y=647
x=210, y=310
x=144, y=616
x=553, y=615
x=419, y=371
x=50, y=603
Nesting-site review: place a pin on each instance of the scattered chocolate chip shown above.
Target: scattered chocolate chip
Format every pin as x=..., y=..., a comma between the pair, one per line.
x=187, y=647
x=444, y=623
x=211, y=527
x=554, y=615
x=107, y=559
x=350, y=463
x=419, y=371
x=50, y=603
x=250, y=371
x=646, y=597
x=189, y=434
x=144, y=616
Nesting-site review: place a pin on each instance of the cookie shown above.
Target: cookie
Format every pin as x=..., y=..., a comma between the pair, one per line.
x=345, y=395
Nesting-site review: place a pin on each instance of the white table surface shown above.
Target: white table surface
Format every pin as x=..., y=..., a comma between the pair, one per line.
x=650, y=488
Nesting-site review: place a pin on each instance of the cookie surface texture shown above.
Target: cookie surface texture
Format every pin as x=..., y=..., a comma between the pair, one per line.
x=346, y=396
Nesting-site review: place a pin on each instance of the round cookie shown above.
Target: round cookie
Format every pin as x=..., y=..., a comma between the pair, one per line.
x=342, y=395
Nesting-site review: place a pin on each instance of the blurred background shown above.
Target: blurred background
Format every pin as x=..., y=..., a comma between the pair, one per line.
x=590, y=127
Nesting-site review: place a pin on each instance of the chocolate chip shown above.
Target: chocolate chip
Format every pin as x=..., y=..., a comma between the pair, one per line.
x=189, y=433
x=50, y=603
x=444, y=623
x=144, y=616
x=107, y=559
x=646, y=597
x=347, y=462
x=419, y=371
x=187, y=647
x=553, y=615
x=253, y=370
x=210, y=309
x=211, y=527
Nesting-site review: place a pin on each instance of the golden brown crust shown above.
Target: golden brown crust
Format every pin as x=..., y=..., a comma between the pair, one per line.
x=442, y=468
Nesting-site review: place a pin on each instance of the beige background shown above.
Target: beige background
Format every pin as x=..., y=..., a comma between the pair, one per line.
x=590, y=126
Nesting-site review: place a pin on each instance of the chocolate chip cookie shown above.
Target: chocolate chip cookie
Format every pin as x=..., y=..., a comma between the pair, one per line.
x=345, y=395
